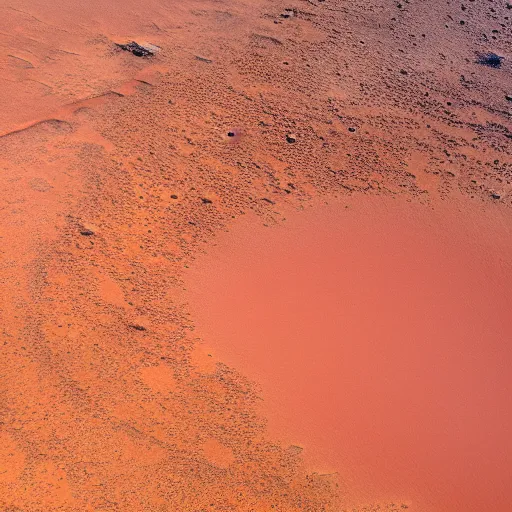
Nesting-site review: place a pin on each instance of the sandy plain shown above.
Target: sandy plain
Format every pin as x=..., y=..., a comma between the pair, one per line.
x=118, y=171
x=378, y=332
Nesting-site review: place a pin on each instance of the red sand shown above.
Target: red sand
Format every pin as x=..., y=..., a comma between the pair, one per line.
x=380, y=333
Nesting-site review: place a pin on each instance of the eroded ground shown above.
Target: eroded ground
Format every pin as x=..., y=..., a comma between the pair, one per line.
x=118, y=170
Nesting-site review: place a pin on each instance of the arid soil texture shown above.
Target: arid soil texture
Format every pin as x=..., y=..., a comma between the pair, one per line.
x=119, y=166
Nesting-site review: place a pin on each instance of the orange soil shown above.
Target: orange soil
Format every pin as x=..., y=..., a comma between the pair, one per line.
x=117, y=171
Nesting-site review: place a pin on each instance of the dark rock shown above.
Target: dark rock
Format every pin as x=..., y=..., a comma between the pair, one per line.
x=174, y=196
x=508, y=97
x=495, y=196
x=204, y=59
x=490, y=60
x=86, y=232
x=136, y=49
x=352, y=130
x=205, y=200
x=290, y=138
x=231, y=134
x=138, y=327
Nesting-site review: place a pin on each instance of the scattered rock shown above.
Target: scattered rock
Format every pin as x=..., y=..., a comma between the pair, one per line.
x=138, y=327
x=490, y=60
x=138, y=50
x=288, y=13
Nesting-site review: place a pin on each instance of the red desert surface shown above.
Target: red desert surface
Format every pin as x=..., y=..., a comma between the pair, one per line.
x=255, y=255
x=380, y=335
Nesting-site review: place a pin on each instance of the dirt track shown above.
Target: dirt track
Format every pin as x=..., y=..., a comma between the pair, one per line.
x=116, y=171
